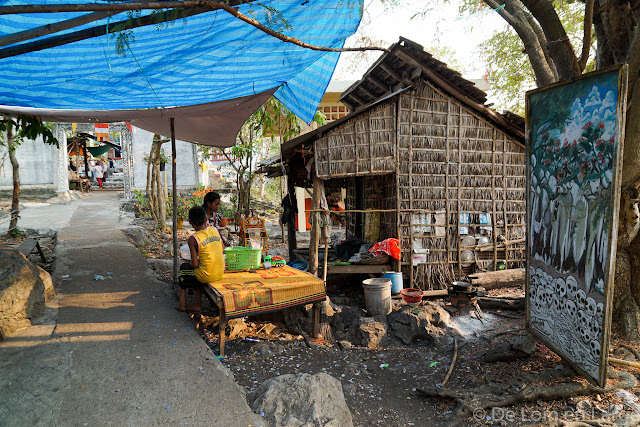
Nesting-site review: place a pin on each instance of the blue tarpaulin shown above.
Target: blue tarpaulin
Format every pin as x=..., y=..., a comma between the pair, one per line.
x=200, y=60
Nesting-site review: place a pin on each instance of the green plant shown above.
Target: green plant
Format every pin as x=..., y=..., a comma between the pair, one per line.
x=227, y=210
x=16, y=232
x=141, y=203
x=163, y=157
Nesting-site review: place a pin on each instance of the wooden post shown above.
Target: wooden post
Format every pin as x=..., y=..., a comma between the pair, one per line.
x=315, y=224
x=447, y=231
x=397, y=177
x=291, y=225
x=315, y=316
x=324, y=269
x=86, y=162
x=282, y=194
x=411, y=284
x=494, y=234
x=174, y=214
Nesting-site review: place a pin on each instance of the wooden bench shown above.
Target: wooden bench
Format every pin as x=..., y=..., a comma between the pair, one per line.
x=79, y=183
x=27, y=247
x=216, y=298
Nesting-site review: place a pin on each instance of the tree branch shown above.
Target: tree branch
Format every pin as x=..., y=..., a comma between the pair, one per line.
x=586, y=39
x=515, y=16
x=197, y=7
x=542, y=40
x=70, y=23
x=97, y=31
x=558, y=44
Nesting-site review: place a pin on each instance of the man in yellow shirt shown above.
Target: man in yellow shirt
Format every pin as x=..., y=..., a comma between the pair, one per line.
x=207, y=262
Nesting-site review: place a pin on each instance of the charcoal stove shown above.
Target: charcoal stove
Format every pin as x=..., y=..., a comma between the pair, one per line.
x=464, y=298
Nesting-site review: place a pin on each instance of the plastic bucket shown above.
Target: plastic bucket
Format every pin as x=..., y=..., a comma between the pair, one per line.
x=377, y=296
x=396, y=281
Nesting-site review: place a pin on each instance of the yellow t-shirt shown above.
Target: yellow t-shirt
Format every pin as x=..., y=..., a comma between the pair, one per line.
x=210, y=258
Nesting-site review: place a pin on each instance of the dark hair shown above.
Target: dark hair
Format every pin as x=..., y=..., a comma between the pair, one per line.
x=210, y=197
x=197, y=215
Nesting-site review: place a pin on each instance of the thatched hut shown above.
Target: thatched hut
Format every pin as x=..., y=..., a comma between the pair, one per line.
x=445, y=173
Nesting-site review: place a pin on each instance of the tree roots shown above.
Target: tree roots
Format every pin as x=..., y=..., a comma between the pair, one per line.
x=525, y=388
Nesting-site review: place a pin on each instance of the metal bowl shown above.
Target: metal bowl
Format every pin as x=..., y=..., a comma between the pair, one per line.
x=468, y=241
x=467, y=258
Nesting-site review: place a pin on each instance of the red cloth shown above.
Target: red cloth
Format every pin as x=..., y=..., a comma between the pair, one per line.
x=389, y=246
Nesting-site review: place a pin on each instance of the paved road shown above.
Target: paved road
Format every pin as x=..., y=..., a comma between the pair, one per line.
x=114, y=351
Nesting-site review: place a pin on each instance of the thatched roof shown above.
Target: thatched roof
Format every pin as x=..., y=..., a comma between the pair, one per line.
x=406, y=62
x=400, y=68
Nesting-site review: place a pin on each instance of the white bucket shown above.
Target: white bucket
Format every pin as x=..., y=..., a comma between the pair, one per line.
x=377, y=296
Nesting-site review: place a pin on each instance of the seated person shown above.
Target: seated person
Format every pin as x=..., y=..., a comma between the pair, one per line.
x=207, y=262
x=336, y=205
x=211, y=204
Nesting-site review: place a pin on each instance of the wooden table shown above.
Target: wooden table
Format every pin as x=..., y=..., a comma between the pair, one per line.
x=244, y=293
x=358, y=269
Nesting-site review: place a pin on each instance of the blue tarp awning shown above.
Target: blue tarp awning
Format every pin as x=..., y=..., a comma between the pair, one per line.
x=182, y=70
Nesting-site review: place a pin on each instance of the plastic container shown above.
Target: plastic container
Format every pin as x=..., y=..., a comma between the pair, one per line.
x=396, y=280
x=412, y=296
x=241, y=258
x=377, y=296
x=185, y=253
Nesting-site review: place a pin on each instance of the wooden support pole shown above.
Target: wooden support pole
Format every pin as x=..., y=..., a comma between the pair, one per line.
x=174, y=214
x=291, y=225
x=315, y=225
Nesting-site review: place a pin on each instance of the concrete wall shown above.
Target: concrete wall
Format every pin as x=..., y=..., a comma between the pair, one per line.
x=186, y=166
x=37, y=162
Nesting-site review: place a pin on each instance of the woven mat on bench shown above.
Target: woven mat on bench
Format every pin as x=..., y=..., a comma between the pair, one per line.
x=247, y=293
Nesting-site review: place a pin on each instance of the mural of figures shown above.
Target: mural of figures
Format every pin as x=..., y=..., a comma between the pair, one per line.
x=574, y=153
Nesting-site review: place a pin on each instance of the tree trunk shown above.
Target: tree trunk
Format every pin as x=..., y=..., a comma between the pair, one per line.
x=261, y=191
x=15, y=201
x=154, y=185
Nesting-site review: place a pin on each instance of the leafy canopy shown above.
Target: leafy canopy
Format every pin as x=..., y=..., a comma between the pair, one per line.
x=26, y=127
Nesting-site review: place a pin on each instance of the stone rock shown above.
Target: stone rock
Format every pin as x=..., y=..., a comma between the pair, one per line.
x=585, y=407
x=372, y=332
x=267, y=349
x=345, y=324
x=137, y=234
x=345, y=345
x=301, y=400
x=410, y=324
x=236, y=327
x=159, y=264
x=24, y=289
x=298, y=319
x=525, y=344
x=349, y=388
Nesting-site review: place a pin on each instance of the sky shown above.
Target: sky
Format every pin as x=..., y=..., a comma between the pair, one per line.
x=442, y=25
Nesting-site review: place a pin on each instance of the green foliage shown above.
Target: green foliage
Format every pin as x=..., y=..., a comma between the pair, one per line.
x=28, y=127
x=141, y=203
x=510, y=71
x=226, y=210
x=163, y=157
x=16, y=232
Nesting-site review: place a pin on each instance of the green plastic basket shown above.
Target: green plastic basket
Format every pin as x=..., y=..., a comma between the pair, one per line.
x=241, y=258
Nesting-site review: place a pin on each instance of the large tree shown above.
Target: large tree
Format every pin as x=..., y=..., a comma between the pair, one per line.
x=13, y=130
x=553, y=57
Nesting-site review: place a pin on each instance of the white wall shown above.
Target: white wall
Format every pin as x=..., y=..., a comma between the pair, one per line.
x=186, y=165
x=38, y=164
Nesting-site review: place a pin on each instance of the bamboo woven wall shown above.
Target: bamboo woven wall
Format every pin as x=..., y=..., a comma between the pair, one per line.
x=450, y=162
x=347, y=150
x=379, y=193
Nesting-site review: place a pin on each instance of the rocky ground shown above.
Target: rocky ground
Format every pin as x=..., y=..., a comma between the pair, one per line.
x=389, y=365
x=383, y=364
